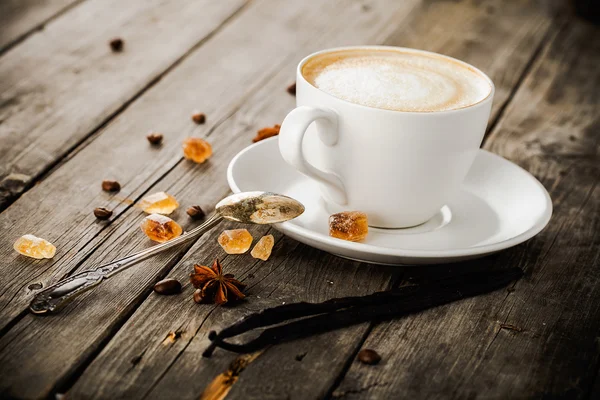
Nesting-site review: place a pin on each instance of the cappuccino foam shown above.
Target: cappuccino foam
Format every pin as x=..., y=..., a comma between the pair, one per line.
x=396, y=79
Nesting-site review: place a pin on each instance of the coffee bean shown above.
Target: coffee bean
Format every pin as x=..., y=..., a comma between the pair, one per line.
x=155, y=138
x=102, y=213
x=199, y=117
x=195, y=212
x=111, y=186
x=292, y=89
x=168, y=286
x=368, y=356
x=116, y=44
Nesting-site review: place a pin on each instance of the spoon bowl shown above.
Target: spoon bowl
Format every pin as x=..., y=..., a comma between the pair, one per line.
x=259, y=208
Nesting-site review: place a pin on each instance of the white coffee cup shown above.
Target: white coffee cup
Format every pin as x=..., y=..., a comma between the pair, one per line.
x=398, y=167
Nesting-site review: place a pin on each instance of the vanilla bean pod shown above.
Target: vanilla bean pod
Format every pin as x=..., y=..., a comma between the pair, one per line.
x=276, y=315
x=378, y=306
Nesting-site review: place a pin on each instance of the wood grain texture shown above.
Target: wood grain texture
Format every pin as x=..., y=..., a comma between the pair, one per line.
x=539, y=339
x=19, y=17
x=60, y=208
x=62, y=83
x=74, y=187
x=234, y=74
x=180, y=371
x=323, y=358
x=251, y=63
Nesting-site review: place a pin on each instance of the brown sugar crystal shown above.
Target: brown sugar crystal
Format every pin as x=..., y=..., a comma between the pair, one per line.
x=159, y=203
x=196, y=149
x=34, y=247
x=235, y=241
x=262, y=249
x=349, y=225
x=160, y=228
x=266, y=133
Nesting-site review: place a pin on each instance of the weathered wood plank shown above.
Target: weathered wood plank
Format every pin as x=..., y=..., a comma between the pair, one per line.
x=231, y=136
x=183, y=373
x=540, y=338
x=236, y=71
x=19, y=17
x=63, y=82
x=179, y=371
x=60, y=208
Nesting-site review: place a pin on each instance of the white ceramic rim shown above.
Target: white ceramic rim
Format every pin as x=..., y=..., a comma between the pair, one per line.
x=486, y=99
x=367, y=248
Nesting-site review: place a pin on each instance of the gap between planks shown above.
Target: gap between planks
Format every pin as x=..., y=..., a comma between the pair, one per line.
x=86, y=141
x=154, y=183
x=495, y=119
x=70, y=381
x=37, y=26
x=490, y=128
x=72, y=378
x=94, y=132
x=162, y=176
x=541, y=258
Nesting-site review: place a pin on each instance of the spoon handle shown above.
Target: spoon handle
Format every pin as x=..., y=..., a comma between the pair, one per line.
x=57, y=295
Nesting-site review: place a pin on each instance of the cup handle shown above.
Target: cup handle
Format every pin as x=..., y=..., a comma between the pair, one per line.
x=291, y=136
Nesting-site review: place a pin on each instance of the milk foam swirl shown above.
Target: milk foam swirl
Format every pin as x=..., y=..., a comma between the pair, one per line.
x=396, y=79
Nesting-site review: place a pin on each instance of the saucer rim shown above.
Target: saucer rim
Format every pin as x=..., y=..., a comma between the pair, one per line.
x=536, y=228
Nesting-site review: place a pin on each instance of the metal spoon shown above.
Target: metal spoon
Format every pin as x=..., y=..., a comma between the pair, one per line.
x=246, y=207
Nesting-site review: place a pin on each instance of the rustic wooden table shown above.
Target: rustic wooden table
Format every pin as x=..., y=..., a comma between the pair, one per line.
x=73, y=113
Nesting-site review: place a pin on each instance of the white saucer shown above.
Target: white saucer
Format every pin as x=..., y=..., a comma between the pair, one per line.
x=499, y=206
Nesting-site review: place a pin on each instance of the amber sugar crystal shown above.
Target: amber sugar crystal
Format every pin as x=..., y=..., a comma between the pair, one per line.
x=35, y=247
x=266, y=133
x=263, y=248
x=160, y=228
x=349, y=225
x=196, y=149
x=159, y=203
x=235, y=241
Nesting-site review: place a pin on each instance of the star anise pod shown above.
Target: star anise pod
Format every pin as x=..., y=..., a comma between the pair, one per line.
x=214, y=285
